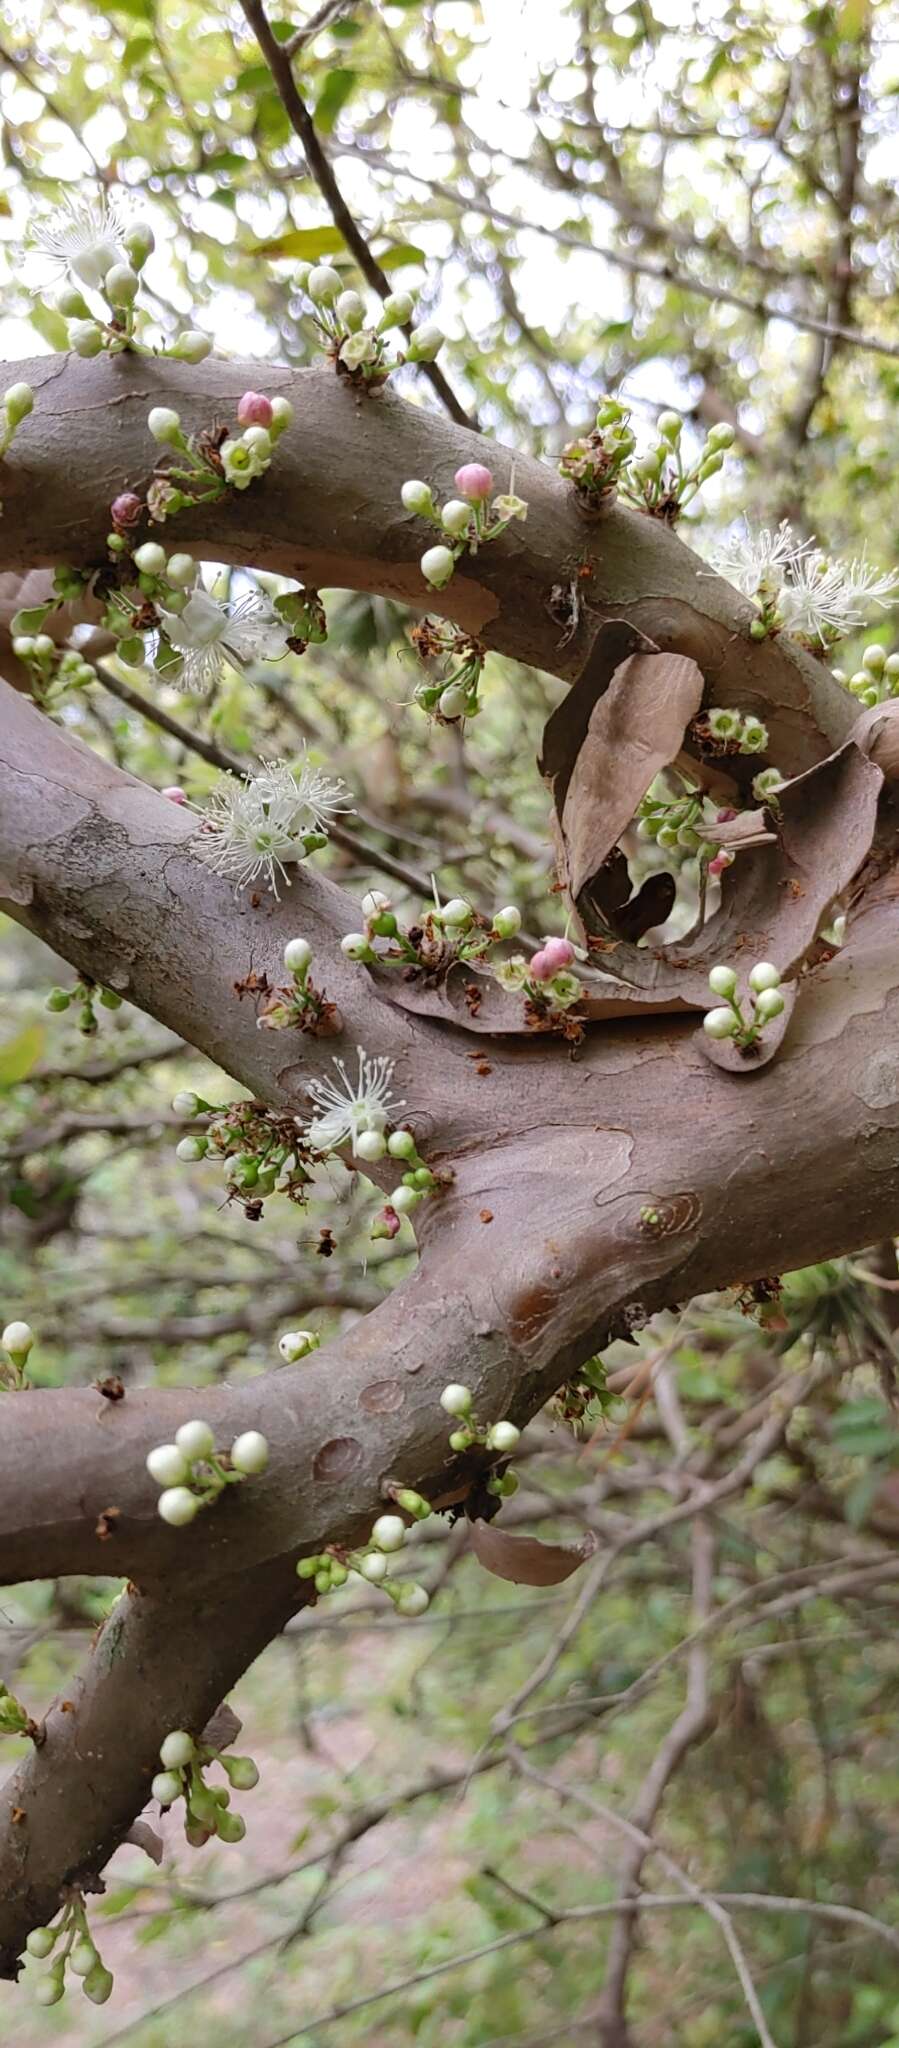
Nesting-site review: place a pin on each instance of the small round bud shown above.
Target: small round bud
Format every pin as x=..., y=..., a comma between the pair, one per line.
x=507, y=922
x=242, y=1772
x=539, y=967
x=413, y=1503
x=370, y=1145
x=456, y=516
x=59, y=998
x=191, y=1149
x=49, y=1991
x=474, y=481
x=86, y=338
x=720, y=1023
x=166, y=1787
x=140, y=242
x=425, y=343
x=307, y=1567
x=254, y=410
x=763, y=975
x=356, y=946
x=230, y=1827
x=459, y=1440
x=297, y=1344
x=503, y=1436
x=374, y=902
x=17, y=1339
x=558, y=953
x=191, y=346
x=121, y=285
x=185, y=1103
x=282, y=415
x=401, y=1145
x=167, y=1465
x=249, y=1452
x=177, y=1750
x=323, y=284
x=164, y=425
x=350, y=310
x=44, y=647
x=297, y=956
x=769, y=1004
x=71, y=305
x=404, y=1200
x=374, y=1567
x=453, y=701
x=180, y=570
x=98, y=1985
x=670, y=426
x=126, y=509
x=720, y=437
x=23, y=646
x=412, y=1599
x=83, y=1958
x=418, y=497
x=195, y=1439
x=150, y=558
x=177, y=1506
x=722, y=981
x=40, y=1942
x=19, y=402
x=456, y=1400
x=458, y=912
x=397, y=311
x=389, y=1533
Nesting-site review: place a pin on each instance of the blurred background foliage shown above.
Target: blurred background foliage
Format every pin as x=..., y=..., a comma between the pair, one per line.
x=668, y=201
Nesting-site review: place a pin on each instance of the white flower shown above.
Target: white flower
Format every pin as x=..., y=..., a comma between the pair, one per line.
x=348, y=1109
x=272, y=820
x=816, y=599
x=207, y=635
x=85, y=237
x=244, y=460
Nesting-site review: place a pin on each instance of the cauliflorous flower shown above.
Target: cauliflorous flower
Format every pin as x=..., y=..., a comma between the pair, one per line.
x=86, y=237
x=347, y=1108
x=815, y=599
x=268, y=823
x=207, y=635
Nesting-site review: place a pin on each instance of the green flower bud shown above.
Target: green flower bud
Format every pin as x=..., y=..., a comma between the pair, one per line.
x=763, y=976
x=19, y=402
x=85, y=337
x=121, y=285
x=722, y=981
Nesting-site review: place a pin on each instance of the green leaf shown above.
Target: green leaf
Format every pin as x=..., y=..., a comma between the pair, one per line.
x=20, y=1054
x=253, y=78
x=137, y=10
x=50, y=326
x=399, y=254
x=337, y=89
x=308, y=243
x=30, y=620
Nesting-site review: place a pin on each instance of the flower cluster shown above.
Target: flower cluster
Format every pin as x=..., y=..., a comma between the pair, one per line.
x=258, y=828
x=300, y=1006
x=724, y=730
x=208, y=465
x=443, y=934
x=192, y=1473
x=688, y=825
x=334, y=1567
x=357, y=1112
x=546, y=979
x=466, y=522
x=15, y=405
x=796, y=588
x=765, y=1003
x=76, y=1950
x=87, y=994
x=15, y=1344
x=52, y=670
x=876, y=679
x=355, y=339
x=90, y=244
x=206, y=1807
x=502, y=1437
x=262, y=1149
x=659, y=482
x=455, y=695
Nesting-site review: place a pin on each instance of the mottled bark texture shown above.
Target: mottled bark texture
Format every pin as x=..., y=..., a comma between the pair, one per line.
x=542, y=1247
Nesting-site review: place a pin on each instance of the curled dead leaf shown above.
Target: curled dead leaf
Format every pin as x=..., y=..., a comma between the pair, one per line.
x=222, y=1728
x=142, y=1836
x=524, y=1559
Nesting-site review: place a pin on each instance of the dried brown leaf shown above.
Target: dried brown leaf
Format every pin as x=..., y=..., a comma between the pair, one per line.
x=634, y=730
x=142, y=1836
x=524, y=1559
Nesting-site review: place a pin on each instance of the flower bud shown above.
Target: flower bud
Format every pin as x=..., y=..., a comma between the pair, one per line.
x=177, y=1750
x=166, y=1787
x=357, y=947
x=242, y=1772
x=59, y=998
x=17, y=1339
x=40, y=1941
x=474, y=481
x=670, y=426
x=97, y=1985
x=456, y=516
x=458, y=912
x=453, y=701
x=297, y=1344
x=83, y=1958
x=71, y=305
x=558, y=953
x=722, y=981
x=350, y=310
x=249, y=1452
x=720, y=1023
x=167, y=1465
x=150, y=558
x=763, y=975
x=255, y=410
x=297, y=956
x=85, y=337
x=503, y=1436
x=121, y=285
x=50, y=1990
x=539, y=967
x=413, y=1503
x=769, y=1004
x=412, y=1599
x=191, y=1149
x=389, y=1533
x=177, y=1506
x=404, y=1200
x=720, y=437
x=370, y=1145
x=418, y=497
x=437, y=567
x=456, y=1399
x=373, y=902
x=507, y=922
x=185, y=1103
x=19, y=402
x=282, y=414
x=165, y=425
x=195, y=1439
x=401, y=1145
x=323, y=284
x=191, y=346
x=397, y=311
x=180, y=570
x=460, y=1440
x=374, y=1567
x=425, y=343
x=140, y=243
x=126, y=509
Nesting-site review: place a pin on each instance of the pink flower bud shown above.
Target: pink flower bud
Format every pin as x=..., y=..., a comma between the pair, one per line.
x=175, y=794
x=474, y=482
x=724, y=817
x=255, y=410
x=126, y=509
x=540, y=968
x=559, y=953
x=720, y=862
x=386, y=1223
